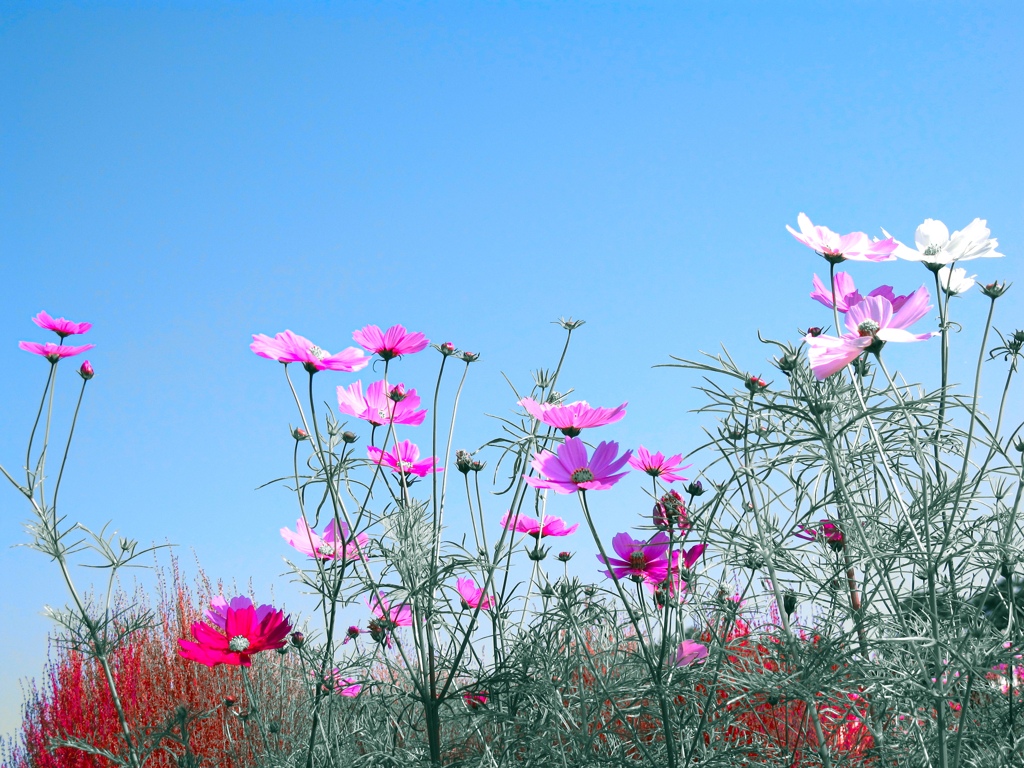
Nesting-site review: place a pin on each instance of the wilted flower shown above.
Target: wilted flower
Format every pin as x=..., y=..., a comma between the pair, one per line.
x=53, y=352
x=571, y=470
x=871, y=322
x=657, y=465
x=288, y=347
x=405, y=460
x=60, y=326
x=472, y=595
x=86, y=371
x=246, y=630
x=571, y=419
x=551, y=525
x=379, y=406
x=955, y=281
x=689, y=652
x=936, y=248
x=835, y=248
x=391, y=343
x=463, y=462
x=638, y=560
x=847, y=294
x=671, y=509
x=328, y=547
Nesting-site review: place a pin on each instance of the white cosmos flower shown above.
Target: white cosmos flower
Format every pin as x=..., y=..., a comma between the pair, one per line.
x=955, y=281
x=936, y=247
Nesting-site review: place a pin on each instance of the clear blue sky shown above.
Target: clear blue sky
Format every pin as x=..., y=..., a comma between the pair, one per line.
x=183, y=175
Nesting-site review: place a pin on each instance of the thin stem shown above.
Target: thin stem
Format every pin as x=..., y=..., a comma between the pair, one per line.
x=71, y=433
x=35, y=425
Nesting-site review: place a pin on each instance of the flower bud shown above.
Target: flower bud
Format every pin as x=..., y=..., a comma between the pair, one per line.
x=1018, y=444
x=547, y=591
x=274, y=726
x=298, y=434
x=660, y=597
x=695, y=488
x=564, y=557
x=538, y=553
x=814, y=331
x=479, y=465
x=229, y=702
x=464, y=462
x=755, y=384
x=397, y=393
x=789, y=602
x=788, y=363
x=469, y=357
x=995, y=290
x=298, y=639
x=1006, y=569
x=349, y=437
x=590, y=590
x=86, y=371
x=570, y=324
x=447, y=349
x=282, y=650
x=353, y=633
x=861, y=366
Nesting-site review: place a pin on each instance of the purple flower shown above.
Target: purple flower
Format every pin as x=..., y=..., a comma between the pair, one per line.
x=689, y=652
x=551, y=526
x=572, y=470
x=288, y=347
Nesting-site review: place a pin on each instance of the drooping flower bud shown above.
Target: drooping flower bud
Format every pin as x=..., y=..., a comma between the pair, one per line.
x=349, y=437
x=86, y=371
x=298, y=639
x=463, y=461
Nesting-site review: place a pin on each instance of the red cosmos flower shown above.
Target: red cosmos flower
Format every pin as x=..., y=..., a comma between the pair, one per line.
x=393, y=342
x=246, y=630
x=53, y=352
x=657, y=465
x=551, y=526
x=60, y=326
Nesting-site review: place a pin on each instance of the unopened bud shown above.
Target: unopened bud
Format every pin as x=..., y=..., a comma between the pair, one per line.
x=464, y=462
x=570, y=324
x=1018, y=444
x=861, y=366
x=479, y=465
x=298, y=639
x=298, y=434
x=788, y=363
x=755, y=384
x=564, y=557
x=229, y=701
x=590, y=590
x=86, y=371
x=695, y=488
x=274, y=726
x=814, y=331
x=349, y=437
x=789, y=602
x=447, y=349
x=538, y=554
x=469, y=357
x=1006, y=569
x=995, y=290
x=397, y=393
x=282, y=650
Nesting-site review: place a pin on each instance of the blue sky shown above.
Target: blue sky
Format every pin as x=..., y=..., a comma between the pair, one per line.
x=185, y=175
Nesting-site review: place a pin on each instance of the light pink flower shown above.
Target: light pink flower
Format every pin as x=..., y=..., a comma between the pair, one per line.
x=398, y=616
x=551, y=526
x=472, y=595
x=689, y=652
x=571, y=470
x=60, y=326
x=288, y=347
x=871, y=322
x=847, y=294
x=391, y=343
x=657, y=465
x=377, y=408
x=53, y=352
x=404, y=460
x=246, y=630
x=309, y=543
x=574, y=417
x=855, y=246
x=639, y=560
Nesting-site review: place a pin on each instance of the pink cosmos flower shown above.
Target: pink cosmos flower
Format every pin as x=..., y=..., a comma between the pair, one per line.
x=551, y=526
x=475, y=699
x=871, y=322
x=398, y=616
x=60, y=326
x=472, y=595
x=288, y=347
x=657, y=465
x=377, y=408
x=828, y=530
x=640, y=560
x=675, y=584
x=835, y=248
x=689, y=652
x=571, y=470
x=246, y=630
x=53, y=352
x=391, y=343
x=309, y=543
x=574, y=417
x=847, y=294
x=344, y=686
x=404, y=460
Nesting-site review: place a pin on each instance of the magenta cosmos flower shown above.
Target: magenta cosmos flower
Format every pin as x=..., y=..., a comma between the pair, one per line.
x=872, y=322
x=244, y=631
x=551, y=526
x=689, y=652
x=472, y=595
x=670, y=509
x=657, y=465
x=377, y=408
x=391, y=343
x=571, y=470
x=405, y=460
x=343, y=686
x=827, y=530
x=847, y=294
x=328, y=547
x=835, y=248
x=675, y=584
x=288, y=347
x=398, y=616
x=639, y=560
x=574, y=417
x=60, y=326
x=53, y=352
